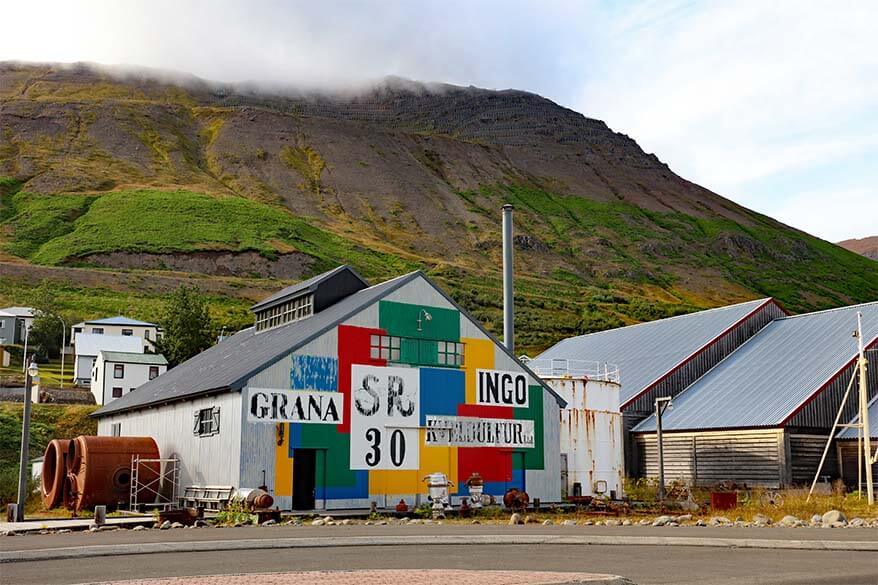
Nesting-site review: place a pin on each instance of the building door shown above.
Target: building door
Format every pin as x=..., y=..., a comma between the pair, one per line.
x=304, y=475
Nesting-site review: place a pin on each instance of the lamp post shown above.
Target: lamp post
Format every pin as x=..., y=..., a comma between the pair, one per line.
x=661, y=404
x=32, y=373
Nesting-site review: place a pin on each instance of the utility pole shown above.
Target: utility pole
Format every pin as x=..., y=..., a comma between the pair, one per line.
x=24, y=462
x=661, y=404
x=508, y=291
x=864, y=412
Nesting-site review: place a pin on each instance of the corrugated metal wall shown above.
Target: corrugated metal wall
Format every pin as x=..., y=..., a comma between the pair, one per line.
x=750, y=457
x=846, y=455
x=692, y=370
x=804, y=458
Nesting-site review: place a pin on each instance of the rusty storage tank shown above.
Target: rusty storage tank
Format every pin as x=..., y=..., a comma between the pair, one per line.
x=54, y=472
x=99, y=470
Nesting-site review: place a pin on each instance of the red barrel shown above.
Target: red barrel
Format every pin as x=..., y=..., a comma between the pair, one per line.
x=54, y=472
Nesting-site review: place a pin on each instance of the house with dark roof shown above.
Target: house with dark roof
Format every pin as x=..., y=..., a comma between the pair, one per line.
x=763, y=415
x=663, y=357
x=345, y=393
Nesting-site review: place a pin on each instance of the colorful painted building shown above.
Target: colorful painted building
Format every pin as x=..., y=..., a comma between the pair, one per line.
x=344, y=394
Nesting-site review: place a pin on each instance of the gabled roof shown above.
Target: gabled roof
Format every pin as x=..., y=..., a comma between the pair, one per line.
x=228, y=365
x=849, y=433
x=309, y=285
x=773, y=374
x=647, y=351
x=90, y=344
x=21, y=312
x=120, y=320
x=126, y=357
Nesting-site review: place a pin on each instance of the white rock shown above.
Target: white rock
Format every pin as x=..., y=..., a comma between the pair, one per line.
x=547, y=522
x=857, y=522
x=789, y=520
x=328, y=519
x=626, y=522
x=683, y=518
x=816, y=519
x=270, y=522
x=515, y=519
x=347, y=521
x=177, y=525
x=587, y=523
x=381, y=523
x=761, y=520
x=719, y=521
x=645, y=522
x=476, y=521
x=165, y=525
x=598, y=522
x=662, y=520
x=700, y=522
x=140, y=527
x=318, y=522
x=612, y=523
x=569, y=523
x=832, y=517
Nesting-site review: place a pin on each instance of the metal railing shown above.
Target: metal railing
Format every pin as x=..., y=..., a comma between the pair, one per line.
x=564, y=368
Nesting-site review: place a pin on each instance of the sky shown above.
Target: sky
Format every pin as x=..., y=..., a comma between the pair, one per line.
x=771, y=104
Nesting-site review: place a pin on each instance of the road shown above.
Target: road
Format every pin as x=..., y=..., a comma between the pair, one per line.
x=644, y=565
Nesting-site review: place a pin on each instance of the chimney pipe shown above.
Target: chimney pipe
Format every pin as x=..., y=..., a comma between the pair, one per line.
x=508, y=301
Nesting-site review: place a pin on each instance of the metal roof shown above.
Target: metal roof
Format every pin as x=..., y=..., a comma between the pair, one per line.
x=120, y=320
x=306, y=285
x=234, y=360
x=647, y=351
x=773, y=373
x=153, y=359
x=849, y=433
x=26, y=312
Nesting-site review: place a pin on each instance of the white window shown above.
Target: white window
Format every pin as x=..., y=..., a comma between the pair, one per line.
x=153, y=372
x=207, y=422
x=384, y=347
x=119, y=371
x=127, y=332
x=293, y=310
x=97, y=330
x=449, y=353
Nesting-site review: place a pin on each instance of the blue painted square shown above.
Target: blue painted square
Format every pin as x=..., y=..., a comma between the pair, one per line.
x=310, y=372
x=441, y=391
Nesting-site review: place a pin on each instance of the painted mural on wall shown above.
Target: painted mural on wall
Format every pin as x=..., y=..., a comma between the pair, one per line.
x=413, y=398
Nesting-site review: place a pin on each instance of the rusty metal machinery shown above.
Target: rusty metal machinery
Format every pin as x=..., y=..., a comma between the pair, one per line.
x=54, y=473
x=89, y=471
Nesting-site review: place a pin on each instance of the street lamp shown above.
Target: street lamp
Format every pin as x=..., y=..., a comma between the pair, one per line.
x=661, y=404
x=33, y=373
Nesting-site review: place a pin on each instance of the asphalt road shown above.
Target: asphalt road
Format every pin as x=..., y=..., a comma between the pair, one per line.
x=644, y=565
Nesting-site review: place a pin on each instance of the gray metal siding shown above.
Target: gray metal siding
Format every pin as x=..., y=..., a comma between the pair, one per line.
x=805, y=453
x=846, y=452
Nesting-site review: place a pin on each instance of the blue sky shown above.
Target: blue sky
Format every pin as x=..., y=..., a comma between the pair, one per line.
x=772, y=104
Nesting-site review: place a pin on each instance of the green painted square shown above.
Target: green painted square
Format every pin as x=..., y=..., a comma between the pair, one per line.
x=338, y=449
x=533, y=458
x=401, y=319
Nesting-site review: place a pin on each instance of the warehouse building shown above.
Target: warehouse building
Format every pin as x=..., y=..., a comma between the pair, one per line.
x=662, y=358
x=763, y=415
x=344, y=394
x=850, y=469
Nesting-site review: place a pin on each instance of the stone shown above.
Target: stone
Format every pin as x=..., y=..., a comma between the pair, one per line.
x=368, y=523
x=528, y=520
x=761, y=520
x=177, y=525
x=700, y=522
x=568, y=523
x=327, y=519
x=330, y=523
x=833, y=516
x=201, y=524
x=381, y=523
x=270, y=522
x=683, y=518
x=428, y=521
x=165, y=525
x=347, y=522
x=612, y=523
x=547, y=522
x=672, y=524
x=719, y=521
x=662, y=520
x=645, y=522
x=66, y=530
x=789, y=520
x=626, y=522
x=588, y=523
x=857, y=522
x=416, y=521
x=515, y=519
x=94, y=528
x=317, y=522
x=598, y=522
x=476, y=521
x=837, y=524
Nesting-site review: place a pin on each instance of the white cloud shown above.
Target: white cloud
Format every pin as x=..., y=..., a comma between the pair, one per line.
x=833, y=214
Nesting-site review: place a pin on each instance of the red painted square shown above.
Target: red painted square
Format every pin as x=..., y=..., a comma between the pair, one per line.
x=354, y=347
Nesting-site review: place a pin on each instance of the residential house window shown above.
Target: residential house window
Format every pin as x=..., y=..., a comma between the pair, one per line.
x=127, y=332
x=77, y=330
x=146, y=334
x=449, y=353
x=153, y=372
x=116, y=430
x=117, y=392
x=97, y=330
x=293, y=310
x=119, y=371
x=384, y=347
x=207, y=422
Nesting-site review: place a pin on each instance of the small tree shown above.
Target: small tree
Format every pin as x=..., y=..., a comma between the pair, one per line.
x=47, y=329
x=186, y=324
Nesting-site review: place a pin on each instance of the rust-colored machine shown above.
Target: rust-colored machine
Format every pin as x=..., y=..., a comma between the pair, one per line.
x=97, y=470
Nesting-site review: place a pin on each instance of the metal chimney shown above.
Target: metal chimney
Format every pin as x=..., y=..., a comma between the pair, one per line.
x=508, y=301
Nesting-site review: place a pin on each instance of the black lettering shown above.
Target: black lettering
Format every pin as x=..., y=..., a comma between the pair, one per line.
x=520, y=390
x=300, y=409
x=315, y=405
x=395, y=391
x=492, y=391
x=257, y=410
x=331, y=411
x=373, y=458
x=397, y=448
x=518, y=429
x=507, y=391
x=367, y=401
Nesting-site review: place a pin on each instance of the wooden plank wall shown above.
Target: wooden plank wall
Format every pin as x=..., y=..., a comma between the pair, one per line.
x=846, y=453
x=805, y=453
x=745, y=457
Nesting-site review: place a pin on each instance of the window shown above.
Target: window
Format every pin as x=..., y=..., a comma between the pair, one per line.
x=119, y=371
x=207, y=422
x=116, y=430
x=127, y=332
x=117, y=392
x=449, y=353
x=292, y=310
x=97, y=330
x=77, y=329
x=384, y=347
x=153, y=372
x=146, y=334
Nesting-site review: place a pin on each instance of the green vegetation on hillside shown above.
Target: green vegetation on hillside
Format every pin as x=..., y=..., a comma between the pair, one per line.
x=63, y=228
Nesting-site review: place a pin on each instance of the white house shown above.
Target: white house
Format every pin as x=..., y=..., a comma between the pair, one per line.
x=119, y=325
x=117, y=372
x=14, y=323
x=89, y=345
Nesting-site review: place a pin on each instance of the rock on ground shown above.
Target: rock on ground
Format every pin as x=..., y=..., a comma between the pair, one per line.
x=789, y=521
x=662, y=520
x=833, y=516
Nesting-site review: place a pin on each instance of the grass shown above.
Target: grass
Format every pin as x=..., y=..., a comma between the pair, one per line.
x=307, y=162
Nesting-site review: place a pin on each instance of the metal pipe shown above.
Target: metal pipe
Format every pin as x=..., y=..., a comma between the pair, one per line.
x=508, y=300
x=25, y=439
x=864, y=413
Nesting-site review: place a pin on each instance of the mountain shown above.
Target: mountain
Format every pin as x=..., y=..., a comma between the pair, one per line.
x=868, y=247
x=120, y=184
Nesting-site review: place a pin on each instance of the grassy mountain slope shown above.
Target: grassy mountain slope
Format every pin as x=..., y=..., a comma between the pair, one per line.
x=239, y=188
